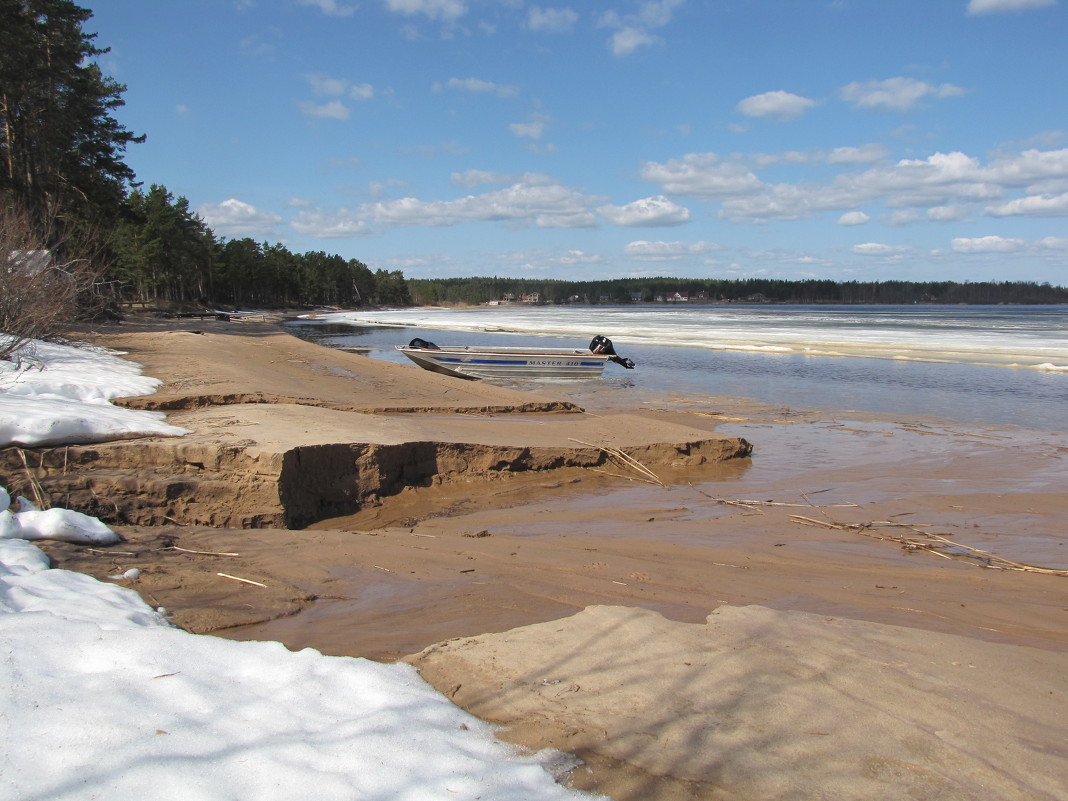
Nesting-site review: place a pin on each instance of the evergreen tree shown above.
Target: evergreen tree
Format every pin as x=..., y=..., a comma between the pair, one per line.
x=163, y=250
x=60, y=147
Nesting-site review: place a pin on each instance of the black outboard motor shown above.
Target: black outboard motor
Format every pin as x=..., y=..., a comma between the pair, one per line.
x=423, y=344
x=602, y=344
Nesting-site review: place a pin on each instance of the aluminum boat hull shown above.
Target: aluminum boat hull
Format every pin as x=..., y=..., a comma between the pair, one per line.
x=508, y=363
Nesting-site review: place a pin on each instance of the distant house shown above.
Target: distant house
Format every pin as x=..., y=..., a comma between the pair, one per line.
x=636, y=297
x=679, y=297
x=533, y=298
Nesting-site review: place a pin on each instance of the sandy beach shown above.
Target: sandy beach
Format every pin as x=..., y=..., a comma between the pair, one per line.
x=701, y=623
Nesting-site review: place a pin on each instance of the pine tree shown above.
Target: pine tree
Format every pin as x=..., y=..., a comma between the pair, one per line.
x=60, y=148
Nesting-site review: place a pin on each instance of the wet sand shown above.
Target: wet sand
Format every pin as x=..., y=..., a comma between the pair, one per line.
x=805, y=534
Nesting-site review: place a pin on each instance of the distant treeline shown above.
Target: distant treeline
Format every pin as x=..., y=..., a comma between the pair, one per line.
x=427, y=292
x=164, y=253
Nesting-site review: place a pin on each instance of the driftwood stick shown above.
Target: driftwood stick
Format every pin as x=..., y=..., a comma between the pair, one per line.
x=242, y=580
x=199, y=553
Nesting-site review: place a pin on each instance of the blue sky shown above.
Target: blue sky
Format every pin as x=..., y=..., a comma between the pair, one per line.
x=842, y=139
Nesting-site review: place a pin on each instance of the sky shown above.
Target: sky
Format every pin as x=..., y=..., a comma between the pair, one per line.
x=840, y=139
x=118, y=703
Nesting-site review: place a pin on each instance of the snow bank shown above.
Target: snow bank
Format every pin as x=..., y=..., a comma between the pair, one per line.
x=58, y=395
x=102, y=698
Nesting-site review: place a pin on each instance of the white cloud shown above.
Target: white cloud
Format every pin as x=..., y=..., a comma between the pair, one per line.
x=325, y=85
x=877, y=249
x=901, y=217
x=551, y=20
x=579, y=257
x=703, y=175
x=1032, y=206
x=642, y=250
x=446, y=10
x=338, y=87
x=941, y=181
x=472, y=178
x=540, y=202
x=1052, y=243
x=479, y=86
x=533, y=128
x=635, y=29
x=341, y=224
x=334, y=110
x=853, y=218
x=236, y=219
x=865, y=154
x=947, y=213
x=1001, y=6
x=780, y=104
x=330, y=7
x=627, y=40
x=651, y=212
x=361, y=91
x=987, y=244
x=894, y=94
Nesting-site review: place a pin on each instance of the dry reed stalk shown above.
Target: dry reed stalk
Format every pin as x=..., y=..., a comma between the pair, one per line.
x=626, y=459
x=751, y=504
x=35, y=484
x=625, y=478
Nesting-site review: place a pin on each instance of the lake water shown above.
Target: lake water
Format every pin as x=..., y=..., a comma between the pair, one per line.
x=993, y=365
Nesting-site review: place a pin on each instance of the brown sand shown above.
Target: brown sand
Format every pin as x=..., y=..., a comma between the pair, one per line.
x=837, y=664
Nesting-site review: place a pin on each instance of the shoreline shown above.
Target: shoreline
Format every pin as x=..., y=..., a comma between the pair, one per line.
x=491, y=562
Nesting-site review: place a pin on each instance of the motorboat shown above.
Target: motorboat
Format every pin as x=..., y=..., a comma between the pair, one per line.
x=497, y=362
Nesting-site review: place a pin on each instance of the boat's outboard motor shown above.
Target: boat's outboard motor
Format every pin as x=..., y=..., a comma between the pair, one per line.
x=602, y=344
x=423, y=344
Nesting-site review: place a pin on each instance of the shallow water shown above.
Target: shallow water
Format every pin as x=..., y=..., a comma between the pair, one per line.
x=986, y=365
